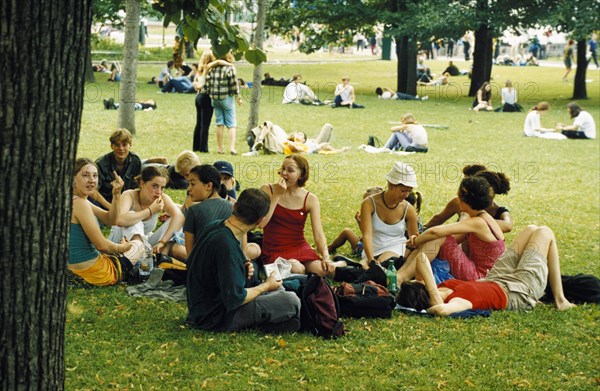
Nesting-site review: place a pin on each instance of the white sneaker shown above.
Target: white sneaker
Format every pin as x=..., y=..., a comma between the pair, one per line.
x=425, y=97
x=250, y=153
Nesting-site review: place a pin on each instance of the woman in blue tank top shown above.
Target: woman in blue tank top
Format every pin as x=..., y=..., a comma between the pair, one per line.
x=93, y=257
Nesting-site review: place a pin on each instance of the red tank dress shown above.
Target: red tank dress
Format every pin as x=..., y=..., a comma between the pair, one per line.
x=283, y=236
x=482, y=256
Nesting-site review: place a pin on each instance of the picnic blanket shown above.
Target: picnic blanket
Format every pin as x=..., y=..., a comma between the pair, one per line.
x=155, y=288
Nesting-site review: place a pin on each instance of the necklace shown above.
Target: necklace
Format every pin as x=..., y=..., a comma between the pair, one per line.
x=385, y=203
x=235, y=226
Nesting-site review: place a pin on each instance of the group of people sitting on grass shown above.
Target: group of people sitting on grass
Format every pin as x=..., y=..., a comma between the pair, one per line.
x=208, y=233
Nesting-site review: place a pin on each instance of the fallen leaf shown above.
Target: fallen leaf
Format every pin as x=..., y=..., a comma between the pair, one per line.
x=281, y=343
x=211, y=356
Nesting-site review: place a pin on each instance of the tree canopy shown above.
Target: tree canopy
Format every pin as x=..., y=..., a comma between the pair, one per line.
x=206, y=18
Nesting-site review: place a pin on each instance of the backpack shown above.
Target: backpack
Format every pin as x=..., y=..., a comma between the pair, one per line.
x=320, y=309
x=374, y=142
x=579, y=289
x=175, y=270
x=367, y=299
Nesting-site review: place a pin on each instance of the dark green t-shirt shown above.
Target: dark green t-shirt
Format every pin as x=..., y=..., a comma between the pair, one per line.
x=216, y=278
x=198, y=216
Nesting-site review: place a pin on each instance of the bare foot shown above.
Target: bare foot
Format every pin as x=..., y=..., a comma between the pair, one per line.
x=563, y=305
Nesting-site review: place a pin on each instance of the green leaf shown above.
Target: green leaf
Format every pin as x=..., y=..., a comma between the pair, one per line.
x=166, y=20
x=255, y=56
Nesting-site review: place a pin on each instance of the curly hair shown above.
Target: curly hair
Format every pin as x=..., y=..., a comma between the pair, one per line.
x=475, y=192
x=497, y=180
x=472, y=169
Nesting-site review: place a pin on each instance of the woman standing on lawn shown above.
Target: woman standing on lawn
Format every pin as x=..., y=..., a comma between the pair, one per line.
x=139, y=212
x=204, y=109
x=284, y=224
x=516, y=282
x=92, y=257
x=480, y=230
x=387, y=216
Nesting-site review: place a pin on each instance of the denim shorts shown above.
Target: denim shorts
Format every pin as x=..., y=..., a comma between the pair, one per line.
x=225, y=112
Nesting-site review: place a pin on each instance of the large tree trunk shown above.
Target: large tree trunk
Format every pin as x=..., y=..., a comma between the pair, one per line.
x=129, y=71
x=44, y=52
x=579, y=89
x=89, y=72
x=257, y=74
x=406, y=52
x=482, y=59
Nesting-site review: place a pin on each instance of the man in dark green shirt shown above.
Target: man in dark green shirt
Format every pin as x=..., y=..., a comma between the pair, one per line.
x=218, y=294
x=122, y=161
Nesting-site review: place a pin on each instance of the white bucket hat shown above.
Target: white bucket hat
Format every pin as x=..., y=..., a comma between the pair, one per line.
x=402, y=173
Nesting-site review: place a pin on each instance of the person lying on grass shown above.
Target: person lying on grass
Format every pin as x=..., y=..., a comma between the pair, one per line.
x=516, y=281
x=480, y=230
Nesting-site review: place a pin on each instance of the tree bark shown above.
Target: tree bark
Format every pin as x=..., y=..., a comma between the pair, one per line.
x=89, y=72
x=129, y=71
x=40, y=117
x=406, y=52
x=257, y=74
x=579, y=87
x=482, y=59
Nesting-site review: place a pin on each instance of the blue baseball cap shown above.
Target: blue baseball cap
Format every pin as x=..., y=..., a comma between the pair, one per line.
x=224, y=167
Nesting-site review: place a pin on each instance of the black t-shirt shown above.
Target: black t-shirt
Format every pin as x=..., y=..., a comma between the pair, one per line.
x=107, y=164
x=216, y=278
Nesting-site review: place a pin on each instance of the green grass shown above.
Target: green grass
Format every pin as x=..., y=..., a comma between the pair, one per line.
x=115, y=341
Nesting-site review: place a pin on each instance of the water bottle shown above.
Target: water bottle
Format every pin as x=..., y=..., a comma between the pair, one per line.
x=391, y=277
x=147, y=262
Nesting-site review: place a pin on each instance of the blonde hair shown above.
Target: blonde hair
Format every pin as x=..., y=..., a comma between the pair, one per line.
x=186, y=159
x=121, y=135
x=206, y=58
x=408, y=118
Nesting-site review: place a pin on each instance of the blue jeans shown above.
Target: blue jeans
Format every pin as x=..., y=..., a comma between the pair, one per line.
x=225, y=112
x=397, y=140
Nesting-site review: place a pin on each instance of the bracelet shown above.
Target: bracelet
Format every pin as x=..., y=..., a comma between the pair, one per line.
x=149, y=210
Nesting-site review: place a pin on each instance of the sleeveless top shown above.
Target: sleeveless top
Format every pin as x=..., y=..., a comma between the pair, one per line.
x=485, y=254
x=284, y=237
x=81, y=249
x=388, y=237
x=149, y=224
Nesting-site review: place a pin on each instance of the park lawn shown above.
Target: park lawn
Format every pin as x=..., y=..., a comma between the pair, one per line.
x=115, y=341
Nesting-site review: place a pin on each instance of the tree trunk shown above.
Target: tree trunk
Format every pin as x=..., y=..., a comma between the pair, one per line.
x=129, y=70
x=579, y=89
x=482, y=59
x=40, y=113
x=89, y=72
x=257, y=74
x=406, y=52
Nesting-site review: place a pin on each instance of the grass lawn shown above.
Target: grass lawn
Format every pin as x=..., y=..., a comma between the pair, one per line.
x=115, y=341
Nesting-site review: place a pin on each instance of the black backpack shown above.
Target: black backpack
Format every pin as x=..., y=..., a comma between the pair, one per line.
x=579, y=289
x=320, y=309
x=367, y=299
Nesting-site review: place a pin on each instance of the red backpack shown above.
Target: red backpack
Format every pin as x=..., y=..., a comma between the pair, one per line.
x=320, y=309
